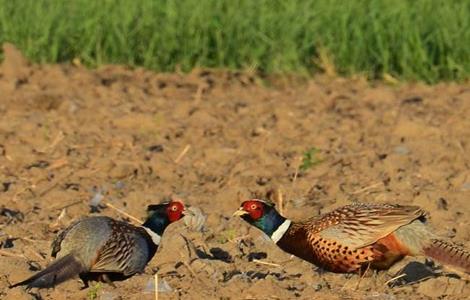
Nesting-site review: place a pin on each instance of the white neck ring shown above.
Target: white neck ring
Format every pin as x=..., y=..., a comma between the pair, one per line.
x=155, y=236
x=280, y=231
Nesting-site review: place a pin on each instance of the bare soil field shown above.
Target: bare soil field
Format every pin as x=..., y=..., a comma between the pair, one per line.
x=69, y=135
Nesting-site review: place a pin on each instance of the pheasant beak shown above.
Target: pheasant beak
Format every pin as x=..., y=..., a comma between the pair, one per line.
x=240, y=212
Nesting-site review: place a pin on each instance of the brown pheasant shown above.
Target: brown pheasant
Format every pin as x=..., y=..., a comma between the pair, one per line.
x=357, y=236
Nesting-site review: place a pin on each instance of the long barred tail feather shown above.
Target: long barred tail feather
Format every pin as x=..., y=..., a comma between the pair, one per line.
x=449, y=254
x=59, y=271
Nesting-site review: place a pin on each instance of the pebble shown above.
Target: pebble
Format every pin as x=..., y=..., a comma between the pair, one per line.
x=96, y=199
x=465, y=186
x=196, y=219
x=163, y=286
x=401, y=150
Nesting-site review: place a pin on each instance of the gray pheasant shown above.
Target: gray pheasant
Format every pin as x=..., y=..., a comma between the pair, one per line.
x=101, y=248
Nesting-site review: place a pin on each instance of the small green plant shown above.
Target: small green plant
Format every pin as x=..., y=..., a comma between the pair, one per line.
x=94, y=291
x=226, y=236
x=310, y=159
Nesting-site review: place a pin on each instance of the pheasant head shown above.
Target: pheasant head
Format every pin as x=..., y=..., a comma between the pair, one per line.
x=264, y=216
x=161, y=215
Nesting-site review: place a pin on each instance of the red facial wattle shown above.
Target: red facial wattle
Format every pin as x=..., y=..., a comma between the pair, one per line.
x=254, y=208
x=175, y=211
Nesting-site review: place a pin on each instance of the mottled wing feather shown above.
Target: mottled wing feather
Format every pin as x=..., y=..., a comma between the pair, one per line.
x=117, y=253
x=359, y=225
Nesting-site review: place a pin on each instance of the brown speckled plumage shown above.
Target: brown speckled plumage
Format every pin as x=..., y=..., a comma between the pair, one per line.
x=357, y=236
x=350, y=237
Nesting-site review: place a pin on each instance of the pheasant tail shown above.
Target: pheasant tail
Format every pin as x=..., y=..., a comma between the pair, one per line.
x=449, y=254
x=59, y=271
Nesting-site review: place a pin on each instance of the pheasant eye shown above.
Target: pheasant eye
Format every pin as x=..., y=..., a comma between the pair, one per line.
x=253, y=207
x=174, y=208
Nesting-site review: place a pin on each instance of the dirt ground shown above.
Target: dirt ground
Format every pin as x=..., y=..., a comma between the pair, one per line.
x=69, y=135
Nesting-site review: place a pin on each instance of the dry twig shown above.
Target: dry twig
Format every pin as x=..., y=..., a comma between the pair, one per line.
x=182, y=154
x=297, y=168
x=67, y=205
x=123, y=212
x=364, y=189
x=155, y=278
x=266, y=263
x=59, y=137
x=362, y=276
x=395, y=278
x=57, y=164
x=12, y=254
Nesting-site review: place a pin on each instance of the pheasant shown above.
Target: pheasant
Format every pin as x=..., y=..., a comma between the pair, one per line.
x=104, y=249
x=355, y=237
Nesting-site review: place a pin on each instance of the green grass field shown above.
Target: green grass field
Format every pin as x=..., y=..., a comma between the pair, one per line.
x=425, y=40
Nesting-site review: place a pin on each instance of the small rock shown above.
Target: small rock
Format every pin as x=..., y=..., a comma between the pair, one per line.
x=73, y=107
x=259, y=131
x=317, y=287
x=451, y=233
x=262, y=181
x=95, y=200
x=465, y=186
x=163, y=286
x=195, y=218
x=119, y=185
x=401, y=150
